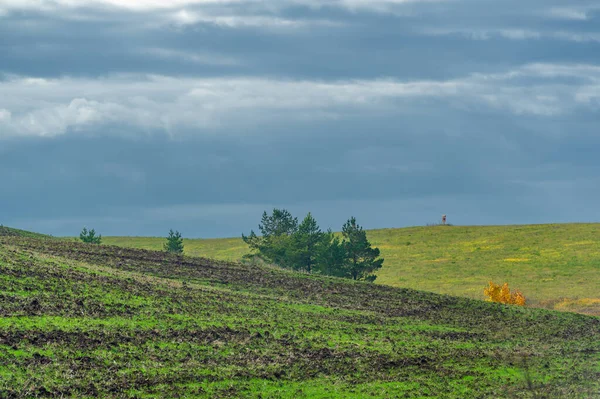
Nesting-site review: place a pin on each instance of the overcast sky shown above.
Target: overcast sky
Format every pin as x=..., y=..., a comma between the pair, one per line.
x=134, y=117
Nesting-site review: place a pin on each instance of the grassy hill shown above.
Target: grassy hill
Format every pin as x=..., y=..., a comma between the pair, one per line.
x=556, y=266
x=228, y=249
x=81, y=320
x=11, y=232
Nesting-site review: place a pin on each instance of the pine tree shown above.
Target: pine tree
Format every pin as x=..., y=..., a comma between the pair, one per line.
x=305, y=242
x=90, y=236
x=361, y=258
x=174, y=243
x=275, y=242
x=331, y=256
x=281, y=222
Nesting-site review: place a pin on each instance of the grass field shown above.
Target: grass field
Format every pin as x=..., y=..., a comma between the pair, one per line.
x=556, y=266
x=229, y=249
x=82, y=320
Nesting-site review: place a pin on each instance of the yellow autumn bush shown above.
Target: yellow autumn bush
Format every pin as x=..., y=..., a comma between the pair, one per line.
x=502, y=294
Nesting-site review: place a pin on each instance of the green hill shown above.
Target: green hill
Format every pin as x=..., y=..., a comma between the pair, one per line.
x=556, y=266
x=82, y=320
x=228, y=249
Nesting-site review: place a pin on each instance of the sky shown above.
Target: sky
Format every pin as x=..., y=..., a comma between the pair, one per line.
x=135, y=117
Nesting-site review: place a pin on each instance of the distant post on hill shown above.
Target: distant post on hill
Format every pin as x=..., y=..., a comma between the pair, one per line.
x=443, y=219
x=174, y=243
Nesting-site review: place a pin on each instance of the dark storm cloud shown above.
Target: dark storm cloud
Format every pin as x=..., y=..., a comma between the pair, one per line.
x=139, y=118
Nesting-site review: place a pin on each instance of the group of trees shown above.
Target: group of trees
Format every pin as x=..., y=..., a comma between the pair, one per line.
x=299, y=246
x=305, y=247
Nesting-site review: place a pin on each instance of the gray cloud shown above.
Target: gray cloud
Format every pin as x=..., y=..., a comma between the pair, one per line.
x=177, y=105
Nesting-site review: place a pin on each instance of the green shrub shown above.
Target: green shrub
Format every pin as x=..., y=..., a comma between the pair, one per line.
x=174, y=243
x=90, y=236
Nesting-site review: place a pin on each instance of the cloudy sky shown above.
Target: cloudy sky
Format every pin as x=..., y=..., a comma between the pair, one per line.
x=136, y=116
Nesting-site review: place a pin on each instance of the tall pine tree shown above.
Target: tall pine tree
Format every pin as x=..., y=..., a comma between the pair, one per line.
x=306, y=241
x=361, y=259
x=331, y=255
x=275, y=240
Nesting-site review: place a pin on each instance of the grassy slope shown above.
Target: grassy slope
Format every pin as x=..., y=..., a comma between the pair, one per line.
x=228, y=249
x=10, y=232
x=546, y=262
x=81, y=320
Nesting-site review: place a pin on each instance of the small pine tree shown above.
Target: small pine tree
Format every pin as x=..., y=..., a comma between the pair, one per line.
x=90, y=236
x=174, y=243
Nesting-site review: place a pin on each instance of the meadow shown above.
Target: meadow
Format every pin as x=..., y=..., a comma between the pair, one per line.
x=229, y=249
x=82, y=320
x=556, y=266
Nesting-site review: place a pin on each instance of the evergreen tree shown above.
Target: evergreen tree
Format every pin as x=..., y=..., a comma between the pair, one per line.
x=361, y=258
x=174, y=243
x=305, y=244
x=281, y=222
x=254, y=242
x=90, y=236
x=331, y=255
x=275, y=242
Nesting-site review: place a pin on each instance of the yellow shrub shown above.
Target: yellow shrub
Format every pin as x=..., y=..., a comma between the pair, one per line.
x=502, y=294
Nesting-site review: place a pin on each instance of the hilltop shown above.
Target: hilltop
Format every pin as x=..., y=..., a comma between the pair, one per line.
x=81, y=320
x=11, y=232
x=557, y=266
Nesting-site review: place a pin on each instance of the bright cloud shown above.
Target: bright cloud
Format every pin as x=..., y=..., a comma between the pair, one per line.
x=52, y=107
x=568, y=13
x=513, y=34
x=4, y=115
x=185, y=17
x=148, y=5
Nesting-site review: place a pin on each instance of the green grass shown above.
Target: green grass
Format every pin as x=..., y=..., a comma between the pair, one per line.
x=230, y=249
x=546, y=262
x=556, y=266
x=82, y=320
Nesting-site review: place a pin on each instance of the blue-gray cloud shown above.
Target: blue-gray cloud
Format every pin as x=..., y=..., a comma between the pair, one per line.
x=136, y=117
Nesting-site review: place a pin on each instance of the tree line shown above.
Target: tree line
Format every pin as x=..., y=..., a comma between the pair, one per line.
x=303, y=246
x=300, y=246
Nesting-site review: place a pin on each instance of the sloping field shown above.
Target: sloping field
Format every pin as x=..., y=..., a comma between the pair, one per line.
x=10, y=232
x=228, y=249
x=546, y=262
x=94, y=321
x=556, y=266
